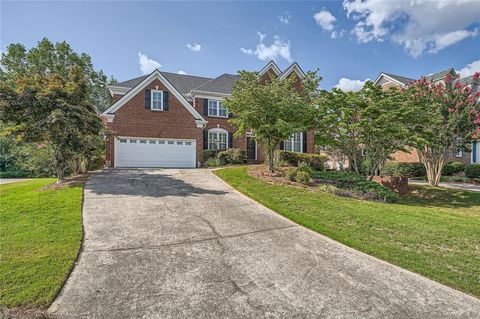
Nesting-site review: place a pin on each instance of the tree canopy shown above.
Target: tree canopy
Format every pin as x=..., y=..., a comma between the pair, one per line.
x=272, y=110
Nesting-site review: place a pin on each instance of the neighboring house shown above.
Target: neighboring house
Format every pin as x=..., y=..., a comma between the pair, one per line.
x=387, y=80
x=165, y=120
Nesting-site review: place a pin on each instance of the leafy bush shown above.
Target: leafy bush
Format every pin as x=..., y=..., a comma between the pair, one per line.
x=452, y=168
x=304, y=167
x=328, y=188
x=231, y=156
x=315, y=161
x=212, y=162
x=357, y=183
x=303, y=177
x=291, y=174
x=472, y=171
x=15, y=174
x=403, y=169
x=208, y=154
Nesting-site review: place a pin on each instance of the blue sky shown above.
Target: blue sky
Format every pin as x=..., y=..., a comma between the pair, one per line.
x=351, y=40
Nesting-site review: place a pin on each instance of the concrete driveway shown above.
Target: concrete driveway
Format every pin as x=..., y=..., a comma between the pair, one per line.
x=182, y=244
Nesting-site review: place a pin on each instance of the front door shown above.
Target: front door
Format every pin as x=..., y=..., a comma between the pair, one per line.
x=251, y=148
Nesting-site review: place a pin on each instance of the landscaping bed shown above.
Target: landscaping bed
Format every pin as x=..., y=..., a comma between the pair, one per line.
x=431, y=231
x=40, y=237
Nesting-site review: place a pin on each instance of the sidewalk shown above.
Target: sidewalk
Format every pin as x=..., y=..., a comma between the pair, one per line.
x=460, y=186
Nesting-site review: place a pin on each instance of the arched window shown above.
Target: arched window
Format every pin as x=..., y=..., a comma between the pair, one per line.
x=217, y=139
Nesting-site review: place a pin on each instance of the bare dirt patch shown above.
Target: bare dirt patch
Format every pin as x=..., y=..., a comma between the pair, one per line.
x=78, y=180
x=25, y=312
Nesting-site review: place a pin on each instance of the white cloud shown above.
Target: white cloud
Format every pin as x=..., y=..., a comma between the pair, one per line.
x=417, y=25
x=147, y=65
x=325, y=19
x=470, y=69
x=337, y=34
x=278, y=49
x=285, y=19
x=194, y=47
x=261, y=36
x=182, y=72
x=347, y=85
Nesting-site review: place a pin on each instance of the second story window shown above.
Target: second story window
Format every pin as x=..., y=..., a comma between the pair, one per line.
x=157, y=100
x=216, y=108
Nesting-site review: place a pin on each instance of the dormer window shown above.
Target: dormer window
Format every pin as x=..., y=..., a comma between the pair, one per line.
x=156, y=100
x=216, y=108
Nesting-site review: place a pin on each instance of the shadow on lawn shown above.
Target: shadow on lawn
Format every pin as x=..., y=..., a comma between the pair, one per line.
x=143, y=182
x=440, y=197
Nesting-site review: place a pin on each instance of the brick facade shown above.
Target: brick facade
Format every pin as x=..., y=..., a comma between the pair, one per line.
x=134, y=120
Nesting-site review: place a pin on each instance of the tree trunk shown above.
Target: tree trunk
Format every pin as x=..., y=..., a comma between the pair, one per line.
x=433, y=160
x=60, y=174
x=270, y=159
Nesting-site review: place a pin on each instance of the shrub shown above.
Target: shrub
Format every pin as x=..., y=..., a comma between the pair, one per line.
x=304, y=167
x=472, y=171
x=452, y=168
x=208, y=154
x=231, y=156
x=291, y=174
x=357, y=183
x=303, y=177
x=15, y=174
x=328, y=188
x=212, y=162
x=403, y=169
x=315, y=161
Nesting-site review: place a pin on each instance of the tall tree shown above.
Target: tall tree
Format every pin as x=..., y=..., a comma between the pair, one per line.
x=442, y=117
x=48, y=58
x=48, y=102
x=272, y=110
x=371, y=119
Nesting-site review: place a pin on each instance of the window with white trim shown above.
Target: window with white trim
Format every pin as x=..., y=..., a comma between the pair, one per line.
x=156, y=100
x=217, y=139
x=216, y=108
x=294, y=143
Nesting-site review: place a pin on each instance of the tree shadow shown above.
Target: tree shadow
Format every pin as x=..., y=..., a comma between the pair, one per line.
x=145, y=183
x=424, y=195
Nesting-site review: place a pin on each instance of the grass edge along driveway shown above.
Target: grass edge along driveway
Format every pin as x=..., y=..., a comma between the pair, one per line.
x=433, y=231
x=40, y=236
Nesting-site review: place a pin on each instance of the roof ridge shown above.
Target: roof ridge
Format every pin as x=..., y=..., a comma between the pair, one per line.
x=195, y=76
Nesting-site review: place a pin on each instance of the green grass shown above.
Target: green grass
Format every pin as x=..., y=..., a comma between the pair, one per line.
x=40, y=235
x=434, y=232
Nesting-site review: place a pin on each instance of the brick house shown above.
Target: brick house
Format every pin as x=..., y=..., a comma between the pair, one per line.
x=166, y=119
x=388, y=80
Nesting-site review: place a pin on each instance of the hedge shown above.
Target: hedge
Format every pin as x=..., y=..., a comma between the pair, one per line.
x=472, y=171
x=358, y=183
x=231, y=156
x=403, y=169
x=452, y=168
x=315, y=161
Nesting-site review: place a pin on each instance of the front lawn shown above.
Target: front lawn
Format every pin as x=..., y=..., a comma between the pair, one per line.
x=40, y=235
x=433, y=231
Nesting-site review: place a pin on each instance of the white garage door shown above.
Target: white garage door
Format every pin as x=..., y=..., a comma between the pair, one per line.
x=148, y=152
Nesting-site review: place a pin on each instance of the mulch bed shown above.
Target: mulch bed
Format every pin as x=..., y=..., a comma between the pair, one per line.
x=278, y=177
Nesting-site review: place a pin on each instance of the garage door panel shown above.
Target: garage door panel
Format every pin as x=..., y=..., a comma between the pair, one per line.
x=161, y=153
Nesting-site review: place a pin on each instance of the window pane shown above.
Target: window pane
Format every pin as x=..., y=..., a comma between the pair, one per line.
x=287, y=145
x=222, y=111
x=212, y=141
x=222, y=137
x=212, y=108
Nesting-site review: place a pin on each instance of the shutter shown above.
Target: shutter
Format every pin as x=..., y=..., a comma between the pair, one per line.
x=230, y=140
x=205, y=140
x=165, y=100
x=304, y=140
x=474, y=152
x=148, y=98
x=281, y=145
x=205, y=107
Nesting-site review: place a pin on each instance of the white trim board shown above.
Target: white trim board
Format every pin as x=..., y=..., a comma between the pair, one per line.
x=140, y=86
x=270, y=65
x=293, y=67
x=389, y=78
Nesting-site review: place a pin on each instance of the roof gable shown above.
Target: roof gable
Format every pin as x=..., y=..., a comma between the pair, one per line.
x=142, y=84
x=400, y=80
x=270, y=66
x=294, y=67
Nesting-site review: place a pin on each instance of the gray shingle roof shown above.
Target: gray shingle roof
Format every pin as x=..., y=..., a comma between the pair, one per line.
x=183, y=83
x=402, y=79
x=222, y=84
x=467, y=79
x=439, y=75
